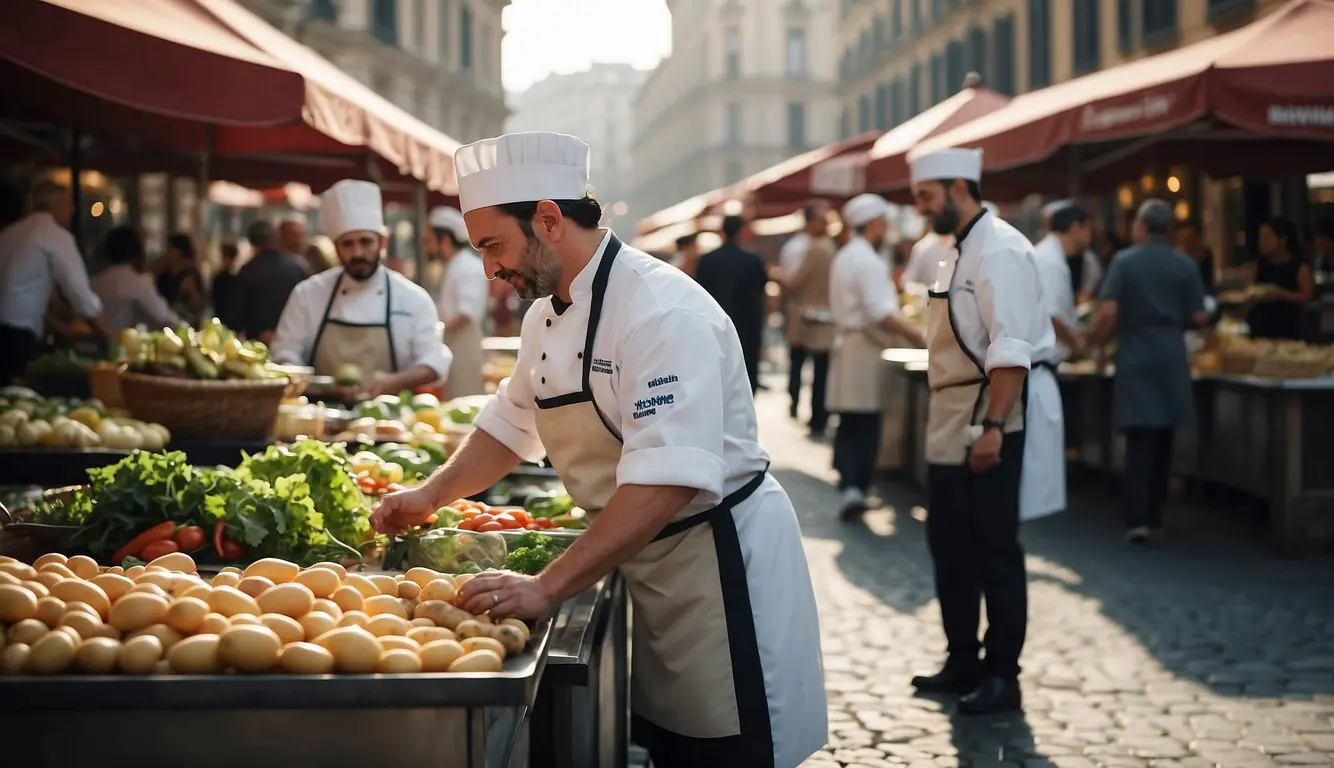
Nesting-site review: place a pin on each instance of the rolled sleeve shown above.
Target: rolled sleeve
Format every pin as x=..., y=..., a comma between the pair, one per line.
x=509, y=416
x=672, y=406
x=1010, y=302
x=878, y=294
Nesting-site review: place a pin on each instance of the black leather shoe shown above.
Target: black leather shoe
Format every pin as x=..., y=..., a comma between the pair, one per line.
x=947, y=680
x=992, y=695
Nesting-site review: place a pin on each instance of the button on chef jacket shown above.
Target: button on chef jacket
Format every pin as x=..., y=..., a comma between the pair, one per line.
x=861, y=293
x=37, y=255
x=1058, y=296
x=464, y=289
x=413, y=323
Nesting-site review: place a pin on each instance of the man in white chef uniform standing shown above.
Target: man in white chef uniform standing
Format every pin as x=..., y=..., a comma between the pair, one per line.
x=993, y=433
x=462, y=302
x=631, y=380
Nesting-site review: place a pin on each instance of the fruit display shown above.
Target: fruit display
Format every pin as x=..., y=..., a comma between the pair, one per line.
x=68, y=614
x=1273, y=358
x=211, y=352
x=28, y=420
x=418, y=418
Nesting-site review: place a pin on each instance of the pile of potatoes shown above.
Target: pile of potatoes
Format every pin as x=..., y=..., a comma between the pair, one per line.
x=70, y=615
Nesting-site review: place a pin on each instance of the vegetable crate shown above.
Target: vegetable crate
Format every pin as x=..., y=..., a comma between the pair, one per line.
x=205, y=408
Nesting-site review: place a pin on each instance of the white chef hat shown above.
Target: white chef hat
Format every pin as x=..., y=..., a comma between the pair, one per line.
x=521, y=167
x=351, y=206
x=863, y=209
x=1056, y=206
x=450, y=220
x=950, y=163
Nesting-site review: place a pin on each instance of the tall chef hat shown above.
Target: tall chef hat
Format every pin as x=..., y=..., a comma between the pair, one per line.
x=521, y=167
x=863, y=209
x=950, y=163
x=450, y=220
x=351, y=206
x=1054, y=207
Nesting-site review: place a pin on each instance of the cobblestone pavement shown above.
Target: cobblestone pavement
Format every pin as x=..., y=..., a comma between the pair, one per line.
x=1205, y=650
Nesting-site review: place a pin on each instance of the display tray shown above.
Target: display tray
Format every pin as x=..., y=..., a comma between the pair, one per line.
x=576, y=631
x=513, y=686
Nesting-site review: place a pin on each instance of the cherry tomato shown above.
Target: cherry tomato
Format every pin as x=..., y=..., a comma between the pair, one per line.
x=190, y=538
x=491, y=526
x=158, y=549
x=232, y=550
x=467, y=524
x=484, y=518
x=505, y=520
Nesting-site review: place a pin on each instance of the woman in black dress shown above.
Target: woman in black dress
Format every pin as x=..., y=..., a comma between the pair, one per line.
x=1277, y=313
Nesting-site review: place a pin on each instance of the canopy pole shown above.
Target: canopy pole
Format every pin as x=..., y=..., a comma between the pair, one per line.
x=423, y=260
x=75, y=187
x=1073, y=181
x=202, y=182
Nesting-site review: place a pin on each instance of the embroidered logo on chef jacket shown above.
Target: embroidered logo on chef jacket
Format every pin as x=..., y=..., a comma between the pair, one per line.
x=649, y=405
x=663, y=380
x=601, y=366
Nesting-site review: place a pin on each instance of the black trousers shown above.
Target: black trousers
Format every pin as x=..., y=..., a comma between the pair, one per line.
x=1148, y=469
x=856, y=447
x=972, y=529
x=797, y=357
x=18, y=346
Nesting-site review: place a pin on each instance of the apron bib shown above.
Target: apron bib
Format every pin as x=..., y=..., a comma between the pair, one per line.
x=696, y=664
x=465, y=372
x=369, y=346
x=854, y=370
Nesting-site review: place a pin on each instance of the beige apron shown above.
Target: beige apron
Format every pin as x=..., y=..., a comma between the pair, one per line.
x=369, y=346
x=812, y=295
x=854, y=370
x=465, y=371
x=696, y=664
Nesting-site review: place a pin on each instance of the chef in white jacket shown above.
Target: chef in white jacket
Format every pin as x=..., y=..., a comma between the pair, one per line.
x=630, y=380
x=1069, y=232
x=462, y=302
x=1085, y=267
x=993, y=433
x=364, y=314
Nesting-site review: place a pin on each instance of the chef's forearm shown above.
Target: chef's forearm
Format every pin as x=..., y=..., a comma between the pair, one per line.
x=1007, y=384
x=416, y=376
x=1065, y=334
x=895, y=323
x=632, y=518
x=480, y=462
x=456, y=322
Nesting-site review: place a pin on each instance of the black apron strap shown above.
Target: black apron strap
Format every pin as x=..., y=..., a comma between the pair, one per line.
x=388, y=319
x=712, y=514
x=319, y=333
x=600, y=280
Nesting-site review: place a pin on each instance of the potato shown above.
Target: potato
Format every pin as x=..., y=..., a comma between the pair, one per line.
x=294, y=600
x=198, y=591
x=315, y=624
x=225, y=579
x=324, y=605
x=385, y=604
x=27, y=632
x=138, y=656
x=335, y=567
x=354, y=649
x=115, y=586
x=519, y=625
x=81, y=608
x=230, y=601
x=83, y=566
x=390, y=642
x=321, y=582
x=213, y=624
x=399, y=661
x=384, y=582
x=14, y=658
x=230, y=569
x=362, y=584
x=9, y=578
x=51, y=654
x=87, y=626
x=151, y=589
x=244, y=619
x=437, y=655
x=59, y=569
x=470, y=628
x=306, y=659
x=133, y=572
x=285, y=627
x=184, y=582
x=97, y=655
x=471, y=644
x=114, y=570
x=79, y=591
x=387, y=624
x=49, y=610
x=461, y=579
x=511, y=638
x=196, y=655
x=45, y=580
x=422, y=622
x=159, y=578
x=249, y=648
x=175, y=561
x=409, y=590
x=138, y=610
x=480, y=660
x=273, y=569
x=354, y=619
x=423, y=576
x=16, y=604
x=49, y=557
x=424, y=635
x=25, y=572
x=440, y=589
x=168, y=636
x=163, y=667
x=255, y=585
x=73, y=633
x=184, y=614
x=440, y=612
x=349, y=598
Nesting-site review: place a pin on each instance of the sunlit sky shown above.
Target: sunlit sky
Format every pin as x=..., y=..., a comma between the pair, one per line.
x=543, y=37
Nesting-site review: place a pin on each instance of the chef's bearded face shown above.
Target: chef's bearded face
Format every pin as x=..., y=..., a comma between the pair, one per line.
x=935, y=201
x=517, y=241
x=360, y=252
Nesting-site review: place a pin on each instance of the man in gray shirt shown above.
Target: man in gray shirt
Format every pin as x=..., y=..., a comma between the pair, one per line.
x=257, y=297
x=1151, y=295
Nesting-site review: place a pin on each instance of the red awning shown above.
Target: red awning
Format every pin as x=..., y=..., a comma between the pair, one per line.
x=1273, y=78
x=887, y=162
x=791, y=181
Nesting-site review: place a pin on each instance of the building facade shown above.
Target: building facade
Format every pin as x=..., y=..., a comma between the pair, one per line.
x=749, y=83
x=437, y=59
x=595, y=105
x=900, y=57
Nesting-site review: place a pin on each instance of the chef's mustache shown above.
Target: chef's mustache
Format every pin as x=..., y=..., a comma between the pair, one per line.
x=505, y=274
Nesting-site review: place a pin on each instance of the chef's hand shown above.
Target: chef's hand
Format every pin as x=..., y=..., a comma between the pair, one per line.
x=985, y=453
x=505, y=594
x=402, y=510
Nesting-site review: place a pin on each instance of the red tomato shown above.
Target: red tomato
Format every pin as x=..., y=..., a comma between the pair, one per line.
x=367, y=485
x=543, y=523
x=469, y=514
x=468, y=524
x=491, y=526
x=521, y=515
x=232, y=550
x=506, y=520
x=484, y=518
x=158, y=549
x=190, y=538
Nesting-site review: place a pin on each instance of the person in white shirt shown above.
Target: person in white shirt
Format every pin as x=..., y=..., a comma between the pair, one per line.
x=129, y=295
x=38, y=255
x=993, y=430
x=926, y=257
x=1085, y=267
x=865, y=306
x=1070, y=232
x=364, y=314
x=462, y=303
x=630, y=379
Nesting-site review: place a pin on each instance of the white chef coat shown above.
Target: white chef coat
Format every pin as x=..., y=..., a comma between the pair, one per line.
x=464, y=289
x=38, y=255
x=1000, y=315
x=1057, y=294
x=417, y=335
x=1088, y=282
x=129, y=297
x=925, y=258
x=669, y=376
x=861, y=293
x=792, y=254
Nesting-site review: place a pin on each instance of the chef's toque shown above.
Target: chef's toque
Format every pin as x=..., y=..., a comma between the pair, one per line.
x=944, y=164
x=863, y=209
x=521, y=167
x=450, y=220
x=351, y=206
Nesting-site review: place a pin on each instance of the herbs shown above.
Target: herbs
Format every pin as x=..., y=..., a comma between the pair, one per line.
x=531, y=553
x=328, y=481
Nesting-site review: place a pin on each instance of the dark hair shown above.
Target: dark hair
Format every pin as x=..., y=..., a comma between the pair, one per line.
x=732, y=226
x=441, y=234
x=123, y=245
x=1325, y=227
x=585, y=212
x=1067, y=217
x=260, y=234
x=228, y=251
x=973, y=187
x=685, y=241
x=1286, y=231
x=1156, y=215
x=811, y=210
x=183, y=245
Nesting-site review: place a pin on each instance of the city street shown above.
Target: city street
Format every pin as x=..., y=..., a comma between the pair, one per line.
x=1204, y=650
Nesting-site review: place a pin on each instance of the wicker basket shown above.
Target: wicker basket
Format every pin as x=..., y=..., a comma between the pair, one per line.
x=237, y=408
x=1236, y=362
x=104, y=384
x=1289, y=369
x=298, y=377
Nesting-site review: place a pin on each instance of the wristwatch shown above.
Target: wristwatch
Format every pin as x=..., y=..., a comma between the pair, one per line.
x=989, y=424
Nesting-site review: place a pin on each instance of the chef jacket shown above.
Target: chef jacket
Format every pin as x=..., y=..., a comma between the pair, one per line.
x=1058, y=296
x=925, y=259
x=464, y=289
x=667, y=373
x=792, y=254
x=861, y=293
x=129, y=297
x=413, y=319
x=1092, y=274
x=37, y=255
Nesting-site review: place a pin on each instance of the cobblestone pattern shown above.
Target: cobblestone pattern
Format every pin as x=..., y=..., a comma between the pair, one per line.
x=1205, y=650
